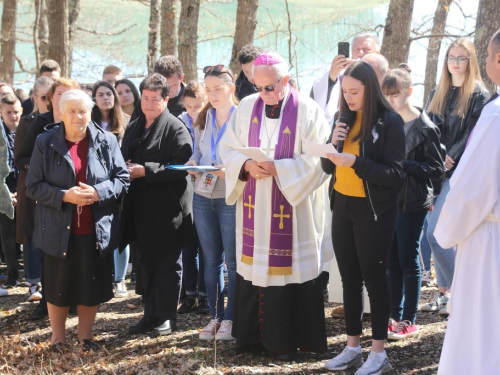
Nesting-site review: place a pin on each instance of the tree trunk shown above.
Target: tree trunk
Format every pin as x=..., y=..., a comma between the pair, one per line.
x=169, y=27
x=486, y=26
x=42, y=30
x=396, y=42
x=58, y=17
x=8, y=43
x=246, y=22
x=188, y=37
x=435, y=46
x=74, y=12
x=153, y=34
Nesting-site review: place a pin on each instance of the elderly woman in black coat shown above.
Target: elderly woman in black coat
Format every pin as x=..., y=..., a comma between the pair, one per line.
x=157, y=209
x=77, y=176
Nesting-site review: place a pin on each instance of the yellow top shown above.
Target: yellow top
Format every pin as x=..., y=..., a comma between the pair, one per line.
x=347, y=182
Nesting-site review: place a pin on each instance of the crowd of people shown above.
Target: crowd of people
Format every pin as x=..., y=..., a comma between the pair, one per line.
x=186, y=185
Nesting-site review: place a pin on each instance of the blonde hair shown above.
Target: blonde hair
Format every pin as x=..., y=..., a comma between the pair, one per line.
x=444, y=87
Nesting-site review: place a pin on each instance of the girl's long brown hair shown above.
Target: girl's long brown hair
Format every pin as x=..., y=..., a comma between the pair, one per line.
x=116, y=121
x=472, y=75
x=228, y=79
x=374, y=100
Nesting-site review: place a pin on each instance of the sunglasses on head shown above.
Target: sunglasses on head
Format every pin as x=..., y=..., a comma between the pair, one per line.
x=217, y=69
x=268, y=88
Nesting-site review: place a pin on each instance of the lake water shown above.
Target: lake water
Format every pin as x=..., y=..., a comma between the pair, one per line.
x=317, y=27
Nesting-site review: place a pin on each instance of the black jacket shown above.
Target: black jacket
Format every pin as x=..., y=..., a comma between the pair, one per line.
x=243, y=87
x=380, y=164
x=157, y=208
x=34, y=130
x=51, y=173
x=423, y=162
x=454, y=129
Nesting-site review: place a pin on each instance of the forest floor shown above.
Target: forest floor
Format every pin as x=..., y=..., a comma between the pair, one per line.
x=25, y=344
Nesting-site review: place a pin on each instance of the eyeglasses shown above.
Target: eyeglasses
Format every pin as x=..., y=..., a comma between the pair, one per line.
x=217, y=69
x=42, y=97
x=459, y=59
x=268, y=88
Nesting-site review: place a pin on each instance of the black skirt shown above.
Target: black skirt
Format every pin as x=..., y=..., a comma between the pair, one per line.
x=82, y=278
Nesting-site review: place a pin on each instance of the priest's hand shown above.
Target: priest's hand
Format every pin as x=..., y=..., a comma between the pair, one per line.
x=221, y=172
x=194, y=164
x=449, y=162
x=256, y=171
x=269, y=167
x=339, y=63
x=342, y=160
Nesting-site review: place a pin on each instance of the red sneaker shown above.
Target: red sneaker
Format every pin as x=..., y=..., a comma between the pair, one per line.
x=392, y=327
x=403, y=330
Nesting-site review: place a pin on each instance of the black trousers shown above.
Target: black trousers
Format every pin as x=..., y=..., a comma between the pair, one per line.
x=161, y=273
x=362, y=248
x=281, y=318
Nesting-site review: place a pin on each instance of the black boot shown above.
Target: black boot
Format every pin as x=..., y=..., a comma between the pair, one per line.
x=189, y=304
x=143, y=326
x=165, y=328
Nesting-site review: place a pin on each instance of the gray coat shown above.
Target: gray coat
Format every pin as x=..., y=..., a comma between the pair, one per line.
x=51, y=173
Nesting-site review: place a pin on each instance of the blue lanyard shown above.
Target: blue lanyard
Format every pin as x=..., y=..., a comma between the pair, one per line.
x=190, y=120
x=221, y=133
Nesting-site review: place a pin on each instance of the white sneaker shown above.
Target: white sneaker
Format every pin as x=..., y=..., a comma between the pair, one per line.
x=348, y=358
x=129, y=269
x=210, y=330
x=426, y=278
x=34, y=292
x=3, y=292
x=374, y=365
x=440, y=302
x=121, y=290
x=224, y=331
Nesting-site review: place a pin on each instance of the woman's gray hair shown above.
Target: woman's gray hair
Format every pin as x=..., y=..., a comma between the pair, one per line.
x=75, y=96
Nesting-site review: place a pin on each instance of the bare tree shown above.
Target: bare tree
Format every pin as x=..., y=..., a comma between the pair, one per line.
x=396, y=42
x=169, y=27
x=8, y=43
x=58, y=20
x=188, y=37
x=486, y=26
x=438, y=28
x=246, y=22
x=74, y=11
x=40, y=33
x=154, y=34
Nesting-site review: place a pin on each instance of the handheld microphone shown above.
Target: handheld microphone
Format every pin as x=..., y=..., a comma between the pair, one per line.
x=346, y=118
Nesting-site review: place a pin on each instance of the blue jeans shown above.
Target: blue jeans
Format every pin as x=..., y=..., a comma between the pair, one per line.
x=425, y=249
x=193, y=275
x=34, y=262
x=121, y=263
x=216, y=227
x=444, y=259
x=404, y=266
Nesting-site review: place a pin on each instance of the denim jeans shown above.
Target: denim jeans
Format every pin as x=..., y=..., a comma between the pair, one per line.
x=193, y=275
x=216, y=227
x=34, y=262
x=8, y=235
x=404, y=266
x=425, y=249
x=444, y=259
x=121, y=263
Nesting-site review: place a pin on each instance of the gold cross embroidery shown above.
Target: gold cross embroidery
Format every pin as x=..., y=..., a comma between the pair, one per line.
x=250, y=206
x=281, y=216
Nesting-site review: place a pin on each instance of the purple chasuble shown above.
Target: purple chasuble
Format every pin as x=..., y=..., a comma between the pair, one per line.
x=281, y=240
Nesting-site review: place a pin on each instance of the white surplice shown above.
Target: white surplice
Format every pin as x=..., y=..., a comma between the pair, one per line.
x=302, y=182
x=470, y=219
x=320, y=92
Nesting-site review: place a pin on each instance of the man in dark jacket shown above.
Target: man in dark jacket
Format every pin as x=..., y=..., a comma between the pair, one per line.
x=169, y=67
x=157, y=210
x=244, y=83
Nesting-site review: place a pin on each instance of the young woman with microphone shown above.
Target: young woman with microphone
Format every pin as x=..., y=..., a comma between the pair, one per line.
x=367, y=177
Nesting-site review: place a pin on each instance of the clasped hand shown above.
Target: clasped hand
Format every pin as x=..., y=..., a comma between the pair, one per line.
x=135, y=170
x=260, y=170
x=82, y=195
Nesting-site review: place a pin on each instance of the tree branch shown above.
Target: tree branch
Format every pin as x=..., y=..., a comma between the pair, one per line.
x=441, y=36
x=106, y=34
x=21, y=65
